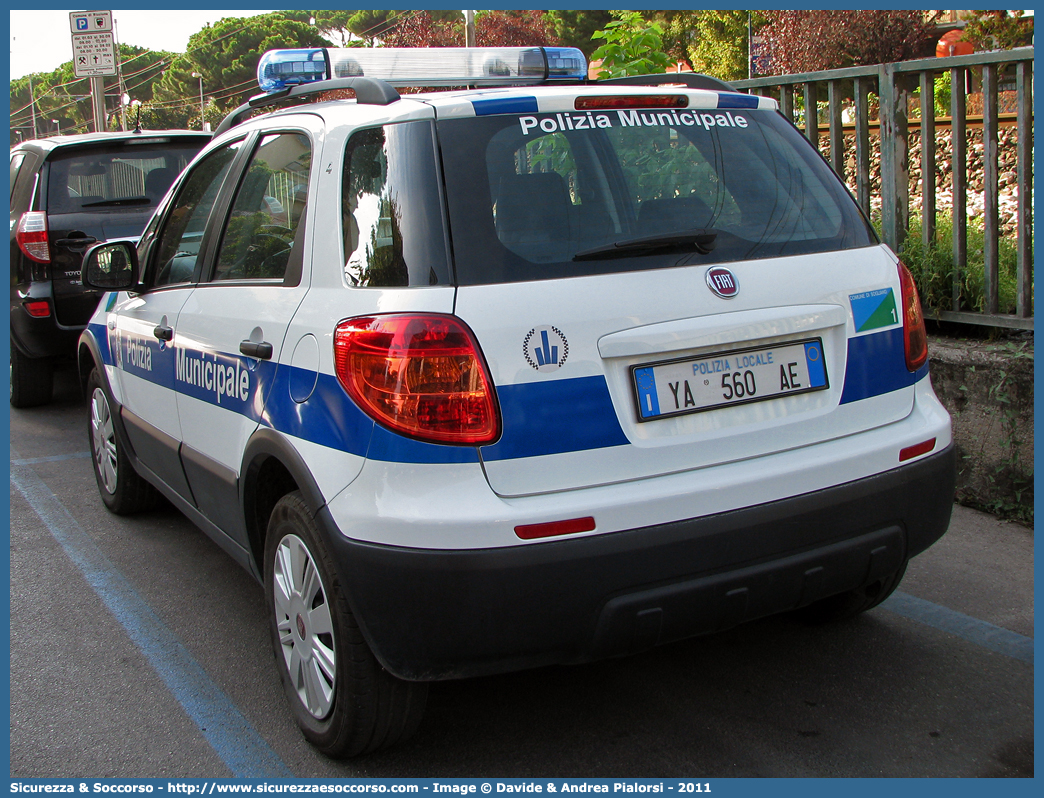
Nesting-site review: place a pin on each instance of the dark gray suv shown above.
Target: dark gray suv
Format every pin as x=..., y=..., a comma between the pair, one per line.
x=68, y=192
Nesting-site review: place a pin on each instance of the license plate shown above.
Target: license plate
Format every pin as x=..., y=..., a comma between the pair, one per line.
x=741, y=376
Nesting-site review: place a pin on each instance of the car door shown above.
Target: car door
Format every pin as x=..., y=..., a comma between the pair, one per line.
x=231, y=329
x=144, y=323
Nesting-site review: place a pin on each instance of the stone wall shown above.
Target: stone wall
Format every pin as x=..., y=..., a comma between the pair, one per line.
x=1007, y=140
x=988, y=390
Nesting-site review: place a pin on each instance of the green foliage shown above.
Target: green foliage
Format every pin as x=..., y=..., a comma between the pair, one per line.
x=632, y=46
x=933, y=267
x=713, y=42
x=371, y=25
x=576, y=28
x=226, y=55
x=59, y=95
x=998, y=30
x=334, y=25
x=942, y=94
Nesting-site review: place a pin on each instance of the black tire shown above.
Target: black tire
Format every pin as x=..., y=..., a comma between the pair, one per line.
x=345, y=703
x=848, y=605
x=122, y=489
x=32, y=379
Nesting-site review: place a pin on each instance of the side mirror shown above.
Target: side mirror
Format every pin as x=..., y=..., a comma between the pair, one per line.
x=111, y=266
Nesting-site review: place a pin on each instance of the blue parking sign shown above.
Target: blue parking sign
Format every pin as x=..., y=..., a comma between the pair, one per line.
x=81, y=23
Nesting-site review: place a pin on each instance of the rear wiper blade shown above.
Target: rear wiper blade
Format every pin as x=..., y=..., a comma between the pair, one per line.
x=700, y=240
x=113, y=203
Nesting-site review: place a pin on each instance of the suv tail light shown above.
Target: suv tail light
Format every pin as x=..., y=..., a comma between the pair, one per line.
x=37, y=308
x=915, y=337
x=421, y=375
x=31, y=236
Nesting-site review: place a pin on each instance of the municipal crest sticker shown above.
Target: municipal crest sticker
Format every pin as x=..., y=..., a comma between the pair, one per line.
x=545, y=348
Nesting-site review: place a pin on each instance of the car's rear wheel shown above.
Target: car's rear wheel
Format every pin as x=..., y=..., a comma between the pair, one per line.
x=345, y=703
x=854, y=602
x=32, y=379
x=122, y=489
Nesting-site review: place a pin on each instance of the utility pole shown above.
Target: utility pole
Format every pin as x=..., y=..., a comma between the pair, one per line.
x=202, y=124
x=94, y=55
x=469, y=28
x=32, y=105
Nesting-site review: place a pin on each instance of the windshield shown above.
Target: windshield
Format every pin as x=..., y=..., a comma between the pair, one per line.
x=539, y=196
x=114, y=177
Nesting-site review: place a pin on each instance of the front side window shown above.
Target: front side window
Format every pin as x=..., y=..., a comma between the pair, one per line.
x=180, y=238
x=548, y=195
x=266, y=222
x=391, y=208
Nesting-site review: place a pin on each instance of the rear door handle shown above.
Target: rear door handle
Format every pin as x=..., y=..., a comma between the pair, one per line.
x=75, y=243
x=163, y=332
x=262, y=351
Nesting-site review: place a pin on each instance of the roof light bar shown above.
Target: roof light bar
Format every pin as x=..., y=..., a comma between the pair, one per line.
x=423, y=66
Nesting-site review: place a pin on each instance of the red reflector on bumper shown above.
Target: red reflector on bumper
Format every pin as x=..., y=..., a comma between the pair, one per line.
x=917, y=450
x=38, y=308
x=549, y=530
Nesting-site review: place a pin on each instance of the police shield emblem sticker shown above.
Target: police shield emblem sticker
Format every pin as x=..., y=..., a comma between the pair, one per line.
x=545, y=348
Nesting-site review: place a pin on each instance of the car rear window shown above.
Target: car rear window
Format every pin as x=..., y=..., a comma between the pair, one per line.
x=549, y=195
x=104, y=179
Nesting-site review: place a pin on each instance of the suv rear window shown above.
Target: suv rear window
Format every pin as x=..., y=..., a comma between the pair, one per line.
x=541, y=196
x=96, y=179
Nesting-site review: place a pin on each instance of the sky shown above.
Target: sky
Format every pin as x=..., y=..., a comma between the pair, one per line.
x=156, y=30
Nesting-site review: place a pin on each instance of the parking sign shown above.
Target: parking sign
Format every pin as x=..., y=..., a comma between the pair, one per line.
x=90, y=21
x=94, y=51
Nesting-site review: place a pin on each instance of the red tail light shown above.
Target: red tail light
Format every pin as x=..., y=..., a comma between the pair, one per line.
x=37, y=308
x=602, y=103
x=31, y=236
x=421, y=375
x=915, y=337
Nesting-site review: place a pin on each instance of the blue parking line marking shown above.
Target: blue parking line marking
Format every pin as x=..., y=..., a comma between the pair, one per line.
x=984, y=634
x=229, y=733
x=55, y=458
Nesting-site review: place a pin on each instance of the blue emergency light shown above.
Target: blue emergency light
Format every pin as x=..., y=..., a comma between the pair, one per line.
x=423, y=66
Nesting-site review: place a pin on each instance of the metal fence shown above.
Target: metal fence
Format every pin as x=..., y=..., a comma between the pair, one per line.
x=896, y=103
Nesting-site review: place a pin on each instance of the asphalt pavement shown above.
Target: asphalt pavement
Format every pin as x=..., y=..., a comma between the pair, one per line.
x=139, y=649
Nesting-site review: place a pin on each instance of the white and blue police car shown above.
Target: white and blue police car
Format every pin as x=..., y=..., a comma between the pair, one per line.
x=539, y=370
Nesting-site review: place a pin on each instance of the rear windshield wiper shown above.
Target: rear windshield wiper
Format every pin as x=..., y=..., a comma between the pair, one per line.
x=700, y=240
x=115, y=203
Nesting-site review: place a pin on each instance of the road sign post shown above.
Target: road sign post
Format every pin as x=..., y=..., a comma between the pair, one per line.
x=94, y=55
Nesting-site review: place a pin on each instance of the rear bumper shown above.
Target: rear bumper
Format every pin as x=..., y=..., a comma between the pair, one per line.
x=437, y=614
x=39, y=337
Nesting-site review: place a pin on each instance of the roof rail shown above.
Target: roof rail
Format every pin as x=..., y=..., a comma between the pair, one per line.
x=692, y=80
x=368, y=91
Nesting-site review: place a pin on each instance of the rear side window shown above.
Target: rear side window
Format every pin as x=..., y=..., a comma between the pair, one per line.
x=16, y=164
x=393, y=225
x=91, y=180
x=556, y=197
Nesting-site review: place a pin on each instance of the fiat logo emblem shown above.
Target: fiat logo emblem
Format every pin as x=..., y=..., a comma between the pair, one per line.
x=722, y=282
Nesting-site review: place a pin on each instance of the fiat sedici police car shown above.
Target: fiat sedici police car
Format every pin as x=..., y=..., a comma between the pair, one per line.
x=537, y=371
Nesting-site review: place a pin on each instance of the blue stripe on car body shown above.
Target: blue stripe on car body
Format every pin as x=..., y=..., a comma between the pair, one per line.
x=737, y=101
x=505, y=105
x=539, y=418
